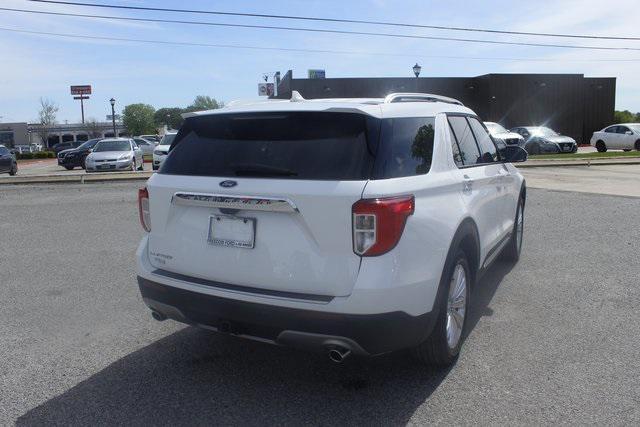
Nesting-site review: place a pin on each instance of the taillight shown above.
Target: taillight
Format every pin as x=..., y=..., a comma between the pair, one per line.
x=143, y=209
x=378, y=223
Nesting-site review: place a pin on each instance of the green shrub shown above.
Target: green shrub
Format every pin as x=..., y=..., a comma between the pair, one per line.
x=36, y=155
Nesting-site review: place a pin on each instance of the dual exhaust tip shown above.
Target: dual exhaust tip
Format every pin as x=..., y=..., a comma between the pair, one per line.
x=337, y=353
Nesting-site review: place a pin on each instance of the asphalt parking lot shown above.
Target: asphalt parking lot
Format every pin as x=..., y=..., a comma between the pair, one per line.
x=50, y=167
x=553, y=339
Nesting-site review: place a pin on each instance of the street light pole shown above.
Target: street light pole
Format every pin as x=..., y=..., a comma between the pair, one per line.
x=113, y=115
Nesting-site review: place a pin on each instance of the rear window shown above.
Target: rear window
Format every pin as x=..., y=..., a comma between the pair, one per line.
x=294, y=145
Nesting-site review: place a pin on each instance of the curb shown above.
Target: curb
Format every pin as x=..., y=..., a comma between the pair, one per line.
x=561, y=163
x=76, y=179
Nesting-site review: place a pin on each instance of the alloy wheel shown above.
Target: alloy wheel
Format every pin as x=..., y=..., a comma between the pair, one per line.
x=519, y=227
x=456, y=305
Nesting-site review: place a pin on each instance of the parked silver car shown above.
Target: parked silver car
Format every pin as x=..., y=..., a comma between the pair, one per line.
x=114, y=154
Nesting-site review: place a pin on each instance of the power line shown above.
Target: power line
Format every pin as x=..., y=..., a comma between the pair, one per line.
x=316, y=30
x=284, y=49
x=347, y=21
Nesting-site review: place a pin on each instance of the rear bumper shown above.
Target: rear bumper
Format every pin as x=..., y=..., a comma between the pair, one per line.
x=363, y=334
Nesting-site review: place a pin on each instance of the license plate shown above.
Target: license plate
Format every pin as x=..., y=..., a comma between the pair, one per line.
x=105, y=166
x=233, y=231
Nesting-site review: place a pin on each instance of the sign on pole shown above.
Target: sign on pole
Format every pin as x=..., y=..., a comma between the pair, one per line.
x=266, y=89
x=81, y=90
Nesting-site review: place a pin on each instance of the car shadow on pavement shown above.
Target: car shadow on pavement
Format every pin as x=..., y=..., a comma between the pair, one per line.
x=197, y=377
x=484, y=291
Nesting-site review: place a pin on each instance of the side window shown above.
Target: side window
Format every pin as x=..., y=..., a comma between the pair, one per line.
x=469, y=153
x=488, y=151
x=611, y=129
x=622, y=129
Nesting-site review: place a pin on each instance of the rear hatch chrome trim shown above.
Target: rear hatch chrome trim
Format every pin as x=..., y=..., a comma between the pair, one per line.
x=245, y=289
x=252, y=203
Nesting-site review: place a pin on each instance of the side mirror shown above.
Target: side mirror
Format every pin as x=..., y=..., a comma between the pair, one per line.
x=513, y=154
x=91, y=150
x=629, y=132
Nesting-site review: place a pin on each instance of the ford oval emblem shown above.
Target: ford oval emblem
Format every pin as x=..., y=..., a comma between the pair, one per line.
x=228, y=183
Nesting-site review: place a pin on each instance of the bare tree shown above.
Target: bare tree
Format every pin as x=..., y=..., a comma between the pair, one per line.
x=93, y=128
x=47, y=119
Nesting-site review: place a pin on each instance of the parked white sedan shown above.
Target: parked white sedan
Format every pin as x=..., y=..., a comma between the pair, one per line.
x=624, y=136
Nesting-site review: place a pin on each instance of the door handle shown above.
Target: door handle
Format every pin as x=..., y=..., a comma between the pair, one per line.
x=467, y=184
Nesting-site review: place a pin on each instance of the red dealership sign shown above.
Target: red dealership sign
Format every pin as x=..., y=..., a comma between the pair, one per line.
x=81, y=90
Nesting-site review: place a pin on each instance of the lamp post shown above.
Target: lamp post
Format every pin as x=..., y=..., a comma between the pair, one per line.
x=113, y=115
x=416, y=69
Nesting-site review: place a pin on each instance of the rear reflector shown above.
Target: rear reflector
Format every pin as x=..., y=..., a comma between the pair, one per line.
x=143, y=209
x=378, y=223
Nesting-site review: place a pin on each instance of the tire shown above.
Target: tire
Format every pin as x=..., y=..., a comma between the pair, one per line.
x=637, y=145
x=442, y=347
x=141, y=166
x=133, y=165
x=601, y=147
x=69, y=168
x=535, y=149
x=155, y=168
x=14, y=170
x=626, y=150
x=511, y=252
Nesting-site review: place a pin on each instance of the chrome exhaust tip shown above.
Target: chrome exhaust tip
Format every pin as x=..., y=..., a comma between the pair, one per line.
x=338, y=354
x=158, y=316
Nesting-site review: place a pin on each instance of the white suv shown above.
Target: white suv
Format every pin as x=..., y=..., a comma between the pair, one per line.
x=162, y=149
x=350, y=226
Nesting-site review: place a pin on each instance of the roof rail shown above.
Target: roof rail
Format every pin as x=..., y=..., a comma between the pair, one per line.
x=419, y=97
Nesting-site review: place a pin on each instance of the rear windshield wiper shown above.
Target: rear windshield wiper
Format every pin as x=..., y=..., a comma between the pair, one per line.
x=256, y=169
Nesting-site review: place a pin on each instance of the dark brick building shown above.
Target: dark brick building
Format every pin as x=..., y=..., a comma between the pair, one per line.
x=571, y=104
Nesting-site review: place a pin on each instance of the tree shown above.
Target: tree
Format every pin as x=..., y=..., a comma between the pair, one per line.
x=47, y=119
x=93, y=128
x=170, y=116
x=138, y=119
x=625, y=116
x=204, y=102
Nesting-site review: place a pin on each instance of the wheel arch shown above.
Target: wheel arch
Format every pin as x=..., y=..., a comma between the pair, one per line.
x=467, y=239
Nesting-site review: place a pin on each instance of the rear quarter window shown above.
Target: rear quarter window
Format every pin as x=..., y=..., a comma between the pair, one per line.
x=406, y=147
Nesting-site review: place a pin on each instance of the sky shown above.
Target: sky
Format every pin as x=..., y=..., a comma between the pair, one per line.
x=37, y=66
